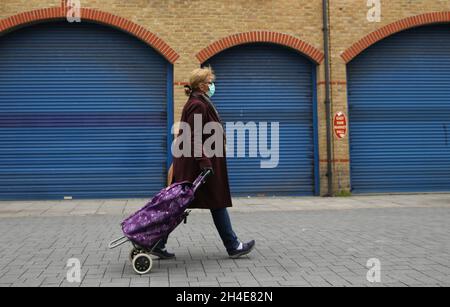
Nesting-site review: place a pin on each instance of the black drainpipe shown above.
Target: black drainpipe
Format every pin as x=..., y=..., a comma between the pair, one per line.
x=326, y=39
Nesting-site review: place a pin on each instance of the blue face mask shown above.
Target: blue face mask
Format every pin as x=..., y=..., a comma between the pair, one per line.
x=212, y=90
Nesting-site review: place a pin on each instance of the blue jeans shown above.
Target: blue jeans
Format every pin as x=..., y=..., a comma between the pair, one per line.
x=223, y=224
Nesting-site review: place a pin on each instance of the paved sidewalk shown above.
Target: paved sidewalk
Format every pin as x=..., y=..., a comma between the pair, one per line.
x=300, y=242
x=251, y=204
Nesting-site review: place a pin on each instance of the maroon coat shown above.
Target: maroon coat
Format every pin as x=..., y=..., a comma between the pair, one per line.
x=215, y=193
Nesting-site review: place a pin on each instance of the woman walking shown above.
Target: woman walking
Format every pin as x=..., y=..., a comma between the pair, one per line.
x=215, y=193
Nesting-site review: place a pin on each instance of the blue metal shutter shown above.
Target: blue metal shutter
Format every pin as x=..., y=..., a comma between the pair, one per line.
x=268, y=83
x=82, y=113
x=399, y=100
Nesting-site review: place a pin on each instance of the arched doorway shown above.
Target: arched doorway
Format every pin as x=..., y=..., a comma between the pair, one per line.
x=399, y=111
x=264, y=82
x=83, y=113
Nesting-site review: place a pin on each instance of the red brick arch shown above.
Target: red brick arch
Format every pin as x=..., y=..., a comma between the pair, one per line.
x=261, y=36
x=398, y=26
x=55, y=13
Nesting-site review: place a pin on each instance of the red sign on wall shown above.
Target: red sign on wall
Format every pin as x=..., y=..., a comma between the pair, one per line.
x=340, y=125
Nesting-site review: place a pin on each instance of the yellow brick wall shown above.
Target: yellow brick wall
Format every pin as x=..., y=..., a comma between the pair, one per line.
x=188, y=26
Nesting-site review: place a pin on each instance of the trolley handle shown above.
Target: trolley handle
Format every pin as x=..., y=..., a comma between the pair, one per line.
x=201, y=179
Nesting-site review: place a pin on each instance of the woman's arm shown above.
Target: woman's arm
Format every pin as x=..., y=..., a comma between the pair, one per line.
x=198, y=112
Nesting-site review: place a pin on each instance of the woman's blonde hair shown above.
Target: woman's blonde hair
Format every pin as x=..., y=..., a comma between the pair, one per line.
x=198, y=76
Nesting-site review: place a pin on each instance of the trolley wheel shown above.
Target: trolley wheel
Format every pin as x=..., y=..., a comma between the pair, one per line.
x=133, y=253
x=142, y=263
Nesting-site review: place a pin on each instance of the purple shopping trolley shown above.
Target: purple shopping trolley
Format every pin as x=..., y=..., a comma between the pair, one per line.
x=156, y=220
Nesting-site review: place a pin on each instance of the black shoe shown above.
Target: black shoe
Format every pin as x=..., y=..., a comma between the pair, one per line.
x=246, y=249
x=162, y=254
